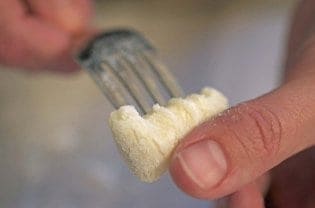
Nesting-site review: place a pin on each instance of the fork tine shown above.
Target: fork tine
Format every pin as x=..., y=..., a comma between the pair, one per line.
x=130, y=82
x=163, y=74
x=123, y=64
x=143, y=73
x=109, y=85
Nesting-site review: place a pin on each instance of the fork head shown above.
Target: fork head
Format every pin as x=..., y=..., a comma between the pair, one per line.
x=126, y=68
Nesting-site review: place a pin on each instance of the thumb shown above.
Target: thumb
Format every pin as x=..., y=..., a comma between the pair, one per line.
x=222, y=155
x=70, y=15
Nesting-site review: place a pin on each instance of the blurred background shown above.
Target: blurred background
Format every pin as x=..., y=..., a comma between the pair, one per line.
x=56, y=150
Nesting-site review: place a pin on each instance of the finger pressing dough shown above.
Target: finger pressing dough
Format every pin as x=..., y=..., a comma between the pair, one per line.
x=147, y=142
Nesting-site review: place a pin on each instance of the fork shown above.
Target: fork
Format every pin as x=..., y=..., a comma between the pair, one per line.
x=128, y=71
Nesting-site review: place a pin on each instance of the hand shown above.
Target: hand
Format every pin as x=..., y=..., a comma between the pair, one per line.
x=232, y=154
x=37, y=34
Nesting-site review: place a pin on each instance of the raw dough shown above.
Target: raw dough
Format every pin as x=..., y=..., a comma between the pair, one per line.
x=146, y=143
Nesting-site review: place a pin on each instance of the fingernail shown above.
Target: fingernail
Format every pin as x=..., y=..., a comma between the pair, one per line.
x=204, y=163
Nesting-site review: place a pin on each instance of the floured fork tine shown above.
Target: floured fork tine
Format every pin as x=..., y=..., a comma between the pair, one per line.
x=129, y=80
x=124, y=66
x=163, y=74
x=142, y=71
x=109, y=85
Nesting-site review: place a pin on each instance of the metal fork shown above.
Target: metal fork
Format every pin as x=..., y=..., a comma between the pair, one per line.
x=126, y=68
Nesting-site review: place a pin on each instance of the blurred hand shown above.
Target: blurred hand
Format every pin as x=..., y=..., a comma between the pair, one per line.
x=232, y=154
x=41, y=34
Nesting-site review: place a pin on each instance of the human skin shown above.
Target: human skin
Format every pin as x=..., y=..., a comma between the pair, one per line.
x=256, y=136
x=38, y=35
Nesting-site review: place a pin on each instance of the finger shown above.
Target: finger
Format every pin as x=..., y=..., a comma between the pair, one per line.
x=82, y=40
x=248, y=197
x=70, y=15
x=301, y=28
x=10, y=10
x=29, y=43
x=293, y=182
x=263, y=183
x=222, y=155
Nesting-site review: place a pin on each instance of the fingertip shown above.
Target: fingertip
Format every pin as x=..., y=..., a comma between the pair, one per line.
x=199, y=164
x=199, y=168
x=65, y=64
x=33, y=45
x=184, y=183
x=73, y=16
x=47, y=41
x=248, y=197
x=80, y=41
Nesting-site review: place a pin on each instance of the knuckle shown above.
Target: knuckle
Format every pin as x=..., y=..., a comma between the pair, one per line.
x=262, y=131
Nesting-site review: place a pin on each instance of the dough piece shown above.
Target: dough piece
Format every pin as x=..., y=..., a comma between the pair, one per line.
x=146, y=143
